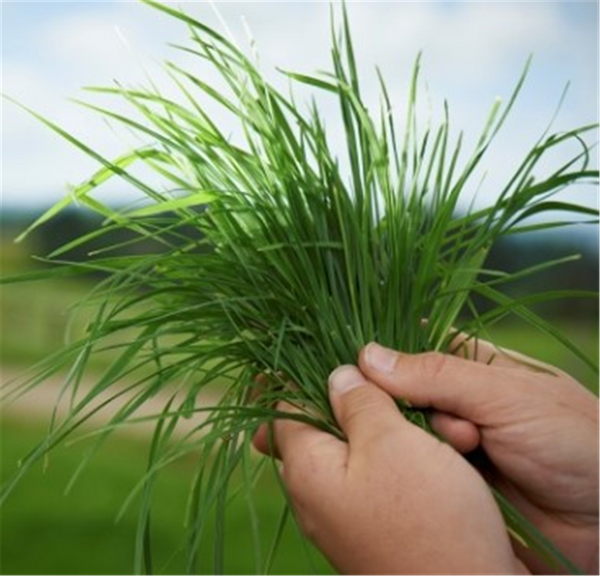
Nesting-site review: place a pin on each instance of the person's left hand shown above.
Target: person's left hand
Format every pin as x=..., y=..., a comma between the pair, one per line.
x=392, y=499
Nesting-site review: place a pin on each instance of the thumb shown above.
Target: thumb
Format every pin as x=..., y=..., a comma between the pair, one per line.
x=470, y=390
x=363, y=411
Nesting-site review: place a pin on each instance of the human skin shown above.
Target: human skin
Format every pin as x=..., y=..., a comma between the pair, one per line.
x=537, y=426
x=394, y=499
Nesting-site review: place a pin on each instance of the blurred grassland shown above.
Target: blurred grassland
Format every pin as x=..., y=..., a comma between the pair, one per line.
x=44, y=531
x=37, y=318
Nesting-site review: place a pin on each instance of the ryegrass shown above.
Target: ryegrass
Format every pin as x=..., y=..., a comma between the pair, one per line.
x=294, y=263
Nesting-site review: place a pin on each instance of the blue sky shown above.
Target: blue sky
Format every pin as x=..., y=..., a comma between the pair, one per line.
x=472, y=52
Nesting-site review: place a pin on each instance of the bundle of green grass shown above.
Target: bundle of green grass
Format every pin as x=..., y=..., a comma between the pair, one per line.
x=293, y=263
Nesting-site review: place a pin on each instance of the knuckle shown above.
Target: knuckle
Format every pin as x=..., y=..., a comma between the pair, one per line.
x=361, y=398
x=365, y=409
x=433, y=365
x=359, y=402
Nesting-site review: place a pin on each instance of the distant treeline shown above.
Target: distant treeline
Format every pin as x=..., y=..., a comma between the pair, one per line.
x=509, y=255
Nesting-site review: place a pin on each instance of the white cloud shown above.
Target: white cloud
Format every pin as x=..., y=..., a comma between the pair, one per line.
x=468, y=34
x=472, y=52
x=98, y=46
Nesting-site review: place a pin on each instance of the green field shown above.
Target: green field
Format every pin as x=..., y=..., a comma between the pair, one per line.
x=35, y=320
x=45, y=531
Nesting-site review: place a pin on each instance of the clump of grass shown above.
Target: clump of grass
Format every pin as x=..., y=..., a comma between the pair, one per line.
x=293, y=265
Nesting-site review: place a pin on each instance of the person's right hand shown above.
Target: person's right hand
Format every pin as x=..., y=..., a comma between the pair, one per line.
x=537, y=426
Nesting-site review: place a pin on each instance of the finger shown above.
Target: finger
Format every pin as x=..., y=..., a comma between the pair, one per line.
x=473, y=348
x=461, y=434
x=258, y=391
x=256, y=388
x=303, y=446
x=263, y=437
x=264, y=442
x=441, y=381
x=363, y=411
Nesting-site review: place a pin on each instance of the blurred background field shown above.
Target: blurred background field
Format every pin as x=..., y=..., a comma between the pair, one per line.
x=44, y=530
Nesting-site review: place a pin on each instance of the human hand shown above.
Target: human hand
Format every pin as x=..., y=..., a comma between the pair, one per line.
x=392, y=499
x=537, y=426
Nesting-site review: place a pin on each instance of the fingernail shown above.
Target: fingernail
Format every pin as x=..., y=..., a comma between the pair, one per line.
x=380, y=358
x=345, y=378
